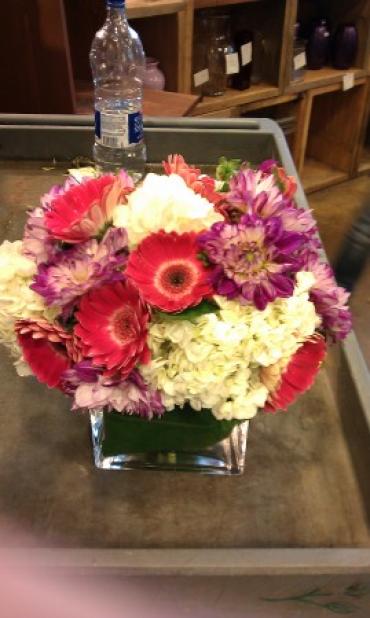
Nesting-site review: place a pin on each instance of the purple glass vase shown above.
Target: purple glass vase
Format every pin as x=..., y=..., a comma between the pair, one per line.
x=318, y=46
x=154, y=79
x=345, y=45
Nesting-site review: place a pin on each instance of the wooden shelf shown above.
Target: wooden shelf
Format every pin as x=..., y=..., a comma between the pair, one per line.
x=328, y=130
x=156, y=102
x=364, y=165
x=317, y=175
x=232, y=98
x=205, y=4
x=150, y=8
x=323, y=77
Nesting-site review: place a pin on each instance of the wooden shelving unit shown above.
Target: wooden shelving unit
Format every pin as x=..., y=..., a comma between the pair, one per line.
x=206, y=4
x=364, y=164
x=329, y=142
x=324, y=150
x=323, y=77
x=235, y=98
x=317, y=175
x=149, y=8
x=362, y=158
x=328, y=123
x=62, y=31
x=326, y=126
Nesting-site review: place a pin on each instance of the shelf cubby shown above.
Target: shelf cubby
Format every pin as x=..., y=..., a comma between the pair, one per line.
x=346, y=11
x=331, y=138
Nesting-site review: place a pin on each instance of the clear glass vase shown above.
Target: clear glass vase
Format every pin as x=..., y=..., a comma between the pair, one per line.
x=213, y=43
x=225, y=457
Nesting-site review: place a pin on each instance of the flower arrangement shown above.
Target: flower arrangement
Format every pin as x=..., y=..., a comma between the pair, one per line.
x=187, y=293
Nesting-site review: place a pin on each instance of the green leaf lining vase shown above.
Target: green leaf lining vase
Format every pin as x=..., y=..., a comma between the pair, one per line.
x=182, y=440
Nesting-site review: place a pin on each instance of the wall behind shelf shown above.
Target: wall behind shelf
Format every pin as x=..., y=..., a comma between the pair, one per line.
x=84, y=18
x=36, y=71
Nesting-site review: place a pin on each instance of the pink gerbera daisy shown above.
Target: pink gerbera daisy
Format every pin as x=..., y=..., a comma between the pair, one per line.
x=166, y=270
x=47, y=348
x=113, y=326
x=297, y=377
x=86, y=209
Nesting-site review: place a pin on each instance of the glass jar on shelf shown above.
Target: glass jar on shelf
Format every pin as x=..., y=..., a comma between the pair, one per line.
x=214, y=53
x=299, y=55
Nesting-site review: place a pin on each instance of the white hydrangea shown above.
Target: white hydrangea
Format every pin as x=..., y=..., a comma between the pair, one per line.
x=214, y=361
x=17, y=300
x=164, y=203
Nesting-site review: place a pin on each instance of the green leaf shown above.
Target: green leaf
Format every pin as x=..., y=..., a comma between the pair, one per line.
x=226, y=168
x=357, y=590
x=204, y=307
x=339, y=608
x=315, y=592
x=181, y=429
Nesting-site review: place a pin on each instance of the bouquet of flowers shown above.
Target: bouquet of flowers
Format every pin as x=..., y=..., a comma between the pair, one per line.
x=186, y=295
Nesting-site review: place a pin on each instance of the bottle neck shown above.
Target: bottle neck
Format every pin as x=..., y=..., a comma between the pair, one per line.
x=116, y=13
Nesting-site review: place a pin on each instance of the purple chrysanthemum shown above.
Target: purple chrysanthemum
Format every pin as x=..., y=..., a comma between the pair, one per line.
x=255, y=260
x=77, y=270
x=329, y=299
x=293, y=219
x=257, y=193
x=37, y=244
x=246, y=187
x=260, y=192
x=130, y=396
x=83, y=372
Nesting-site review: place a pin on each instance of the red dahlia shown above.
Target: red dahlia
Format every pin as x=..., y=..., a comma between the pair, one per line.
x=299, y=375
x=166, y=270
x=113, y=325
x=47, y=348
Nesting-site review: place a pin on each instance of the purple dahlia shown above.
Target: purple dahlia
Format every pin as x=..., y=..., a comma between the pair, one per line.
x=256, y=193
x=77, y=270
x=329, y=299
x=254, y=260
x=37, y=244
x=247, y=187
x=91, y=390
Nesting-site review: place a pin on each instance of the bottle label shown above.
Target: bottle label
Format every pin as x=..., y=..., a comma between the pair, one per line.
x=201, y=77
x=348, y=81
x=118, y=130
x=232, y=63
x=299, y=61
x=246, y=52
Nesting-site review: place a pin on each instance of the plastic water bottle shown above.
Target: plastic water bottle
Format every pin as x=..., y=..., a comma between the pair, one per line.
x=117, y=62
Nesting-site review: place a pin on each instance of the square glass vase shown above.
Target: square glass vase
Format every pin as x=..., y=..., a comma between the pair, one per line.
x=128, y=445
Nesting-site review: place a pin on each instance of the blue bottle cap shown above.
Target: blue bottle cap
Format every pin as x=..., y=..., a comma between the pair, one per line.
x=116, y=3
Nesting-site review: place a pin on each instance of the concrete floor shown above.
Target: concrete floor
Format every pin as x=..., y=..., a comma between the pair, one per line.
x=335, y=209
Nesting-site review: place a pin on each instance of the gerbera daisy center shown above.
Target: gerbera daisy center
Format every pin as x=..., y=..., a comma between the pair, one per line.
x=122, y=325
x=177, y=278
